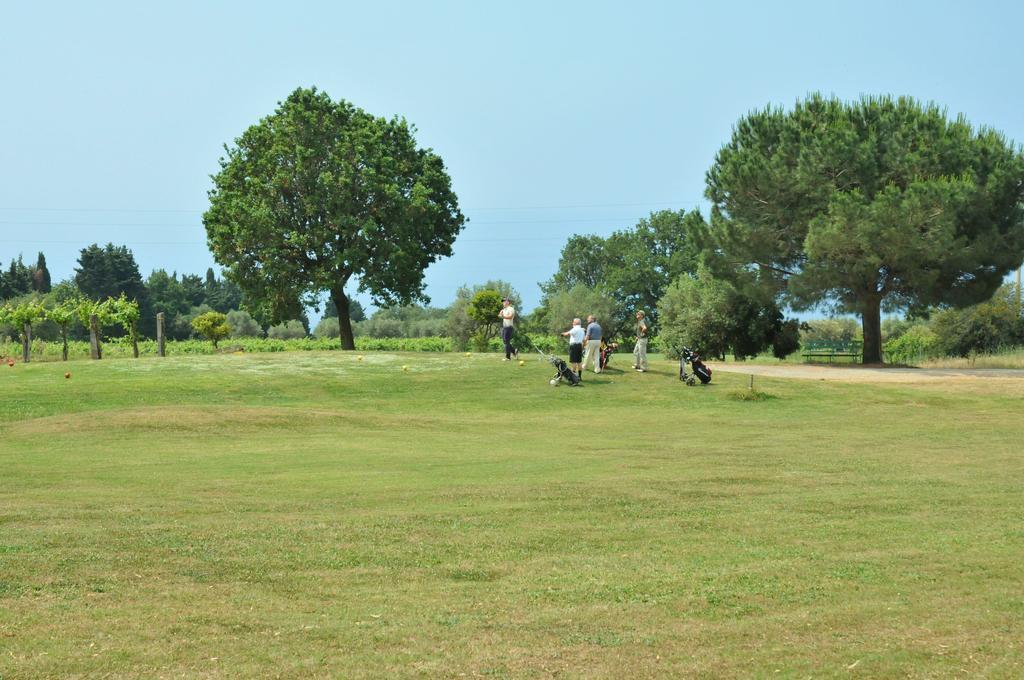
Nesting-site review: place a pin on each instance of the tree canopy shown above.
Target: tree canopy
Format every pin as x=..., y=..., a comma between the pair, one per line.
x=320, y=193
x=634, y=266
x=883, y=202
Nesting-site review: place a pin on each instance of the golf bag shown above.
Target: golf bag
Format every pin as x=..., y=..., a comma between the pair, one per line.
x=700, y=371
x=607, y=349
x=563, y=372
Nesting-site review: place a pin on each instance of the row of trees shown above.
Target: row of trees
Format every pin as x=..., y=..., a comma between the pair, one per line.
x=883, y=203
x=880, y=204
x=21, y=279
x=70, y=313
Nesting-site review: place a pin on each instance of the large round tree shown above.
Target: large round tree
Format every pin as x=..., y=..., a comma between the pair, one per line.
x=321, y=193
x=880, y=203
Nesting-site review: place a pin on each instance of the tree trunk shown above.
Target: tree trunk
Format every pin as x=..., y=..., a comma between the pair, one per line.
x=160, y=334
x=26, y=343
x=135, y=339
x=64, y=338
x=344, y=322
x=871, y=315
x=95, y=350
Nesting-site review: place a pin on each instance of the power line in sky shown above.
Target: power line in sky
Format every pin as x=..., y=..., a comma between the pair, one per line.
x=473, y=209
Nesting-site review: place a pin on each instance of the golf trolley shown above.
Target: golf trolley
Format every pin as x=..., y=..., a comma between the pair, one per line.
x=607, y=349
x=562, y=370
x=700, y=371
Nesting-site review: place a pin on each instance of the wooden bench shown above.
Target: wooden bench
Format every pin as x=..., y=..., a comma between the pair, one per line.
x=831, y=350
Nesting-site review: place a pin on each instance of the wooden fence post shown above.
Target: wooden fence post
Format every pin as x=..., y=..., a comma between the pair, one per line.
x=160, y=334
x=26, y=343
x=95, y=351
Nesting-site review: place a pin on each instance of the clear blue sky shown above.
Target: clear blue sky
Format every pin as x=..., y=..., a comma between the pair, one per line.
x=553, y=118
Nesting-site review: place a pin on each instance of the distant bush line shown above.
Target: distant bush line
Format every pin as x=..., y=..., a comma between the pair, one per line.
x=43, y=350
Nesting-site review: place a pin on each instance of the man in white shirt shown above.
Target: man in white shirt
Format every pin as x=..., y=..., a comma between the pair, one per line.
x=575, y=335
x=508, y=320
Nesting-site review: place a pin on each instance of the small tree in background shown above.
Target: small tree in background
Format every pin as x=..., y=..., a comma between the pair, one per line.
x=243, y=325
x=41, y=276
x=64, y=314
x=6, y=312
x=289, y=330
x=328, y=328
x=715, y=317
x=579, y=301
x=460, y=327
x=987, y=327
x=23, y=316
x=483, y=310
x=213, y=326
x=125, y=313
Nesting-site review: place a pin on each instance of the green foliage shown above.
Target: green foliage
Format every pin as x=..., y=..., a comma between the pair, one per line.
x=895, y=326
x=320, y=192
x=124, y=312
x=714, y=316
x=986, y=327
x=882, y=202
x=17, y=280
x=213, y=326
x=406, y=321
x=838, y=330
x=912, y=346
x=356, y=312
x=483, y=310
x=632, y=267
x=327, y=328
x=27, y=313
x=109, y=272
x=289, y=330
x=461, y=328
x=786, y=339
x=243, y=325
x=563, y=305
x=41, y=276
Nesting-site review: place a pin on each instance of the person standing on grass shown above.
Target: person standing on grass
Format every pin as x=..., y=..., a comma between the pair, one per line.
x=508, y=320
x=640, y=349
x=575, y=335
x=592, y=340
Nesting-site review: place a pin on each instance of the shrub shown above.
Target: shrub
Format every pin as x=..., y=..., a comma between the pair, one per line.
x=212, y=325
x=329, y=328
x=912, y=346
x=378, y=327
x=986, y=327
x=244, y=326
x=842, y=329
x=290, y=330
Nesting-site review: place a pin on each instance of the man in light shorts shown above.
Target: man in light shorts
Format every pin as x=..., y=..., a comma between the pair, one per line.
x=640, y=350
x=575, y=335
x=592, y=340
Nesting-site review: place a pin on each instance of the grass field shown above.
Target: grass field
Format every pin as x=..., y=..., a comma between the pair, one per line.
x=310, y=515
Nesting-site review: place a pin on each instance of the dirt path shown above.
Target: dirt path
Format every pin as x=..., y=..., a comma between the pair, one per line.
x=867, y=374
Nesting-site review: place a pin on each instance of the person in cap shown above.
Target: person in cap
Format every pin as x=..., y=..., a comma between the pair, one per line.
x=508, y=321
x=640, y=349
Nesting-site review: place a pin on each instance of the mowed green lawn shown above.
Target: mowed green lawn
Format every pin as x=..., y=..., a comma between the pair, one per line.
x=310, y=515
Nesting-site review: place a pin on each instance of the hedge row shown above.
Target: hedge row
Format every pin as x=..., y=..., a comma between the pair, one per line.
x=43, y=350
